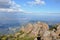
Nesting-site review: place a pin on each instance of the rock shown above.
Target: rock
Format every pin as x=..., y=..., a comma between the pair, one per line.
x=33, y=29
x=58, y=30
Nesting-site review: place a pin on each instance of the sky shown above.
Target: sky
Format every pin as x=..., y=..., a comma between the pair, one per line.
x=30, y=6
x=22, y=10
x=50, y=6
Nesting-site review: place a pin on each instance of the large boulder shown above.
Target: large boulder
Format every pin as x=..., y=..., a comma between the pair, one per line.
x=58, y=30
x=33, y=29
x=39, y=26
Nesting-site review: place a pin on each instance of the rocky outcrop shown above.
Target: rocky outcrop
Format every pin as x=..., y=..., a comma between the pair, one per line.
x=33, y=29
x=43, y=29
x=58, y=30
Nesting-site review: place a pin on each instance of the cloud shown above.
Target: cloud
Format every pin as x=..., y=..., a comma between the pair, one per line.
x=36, y=2
x=10, y=10
x=14, y=5
x=4, y=4
x=9, y=6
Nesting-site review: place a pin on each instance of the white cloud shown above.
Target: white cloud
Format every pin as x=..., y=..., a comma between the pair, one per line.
x=36, y=2
x=14, y=5
x=4, y=3
x=12, y=8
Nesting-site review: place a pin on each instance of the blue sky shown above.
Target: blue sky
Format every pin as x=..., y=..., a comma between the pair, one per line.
x=51, y=6
x=11, y=10
x=34, y=6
